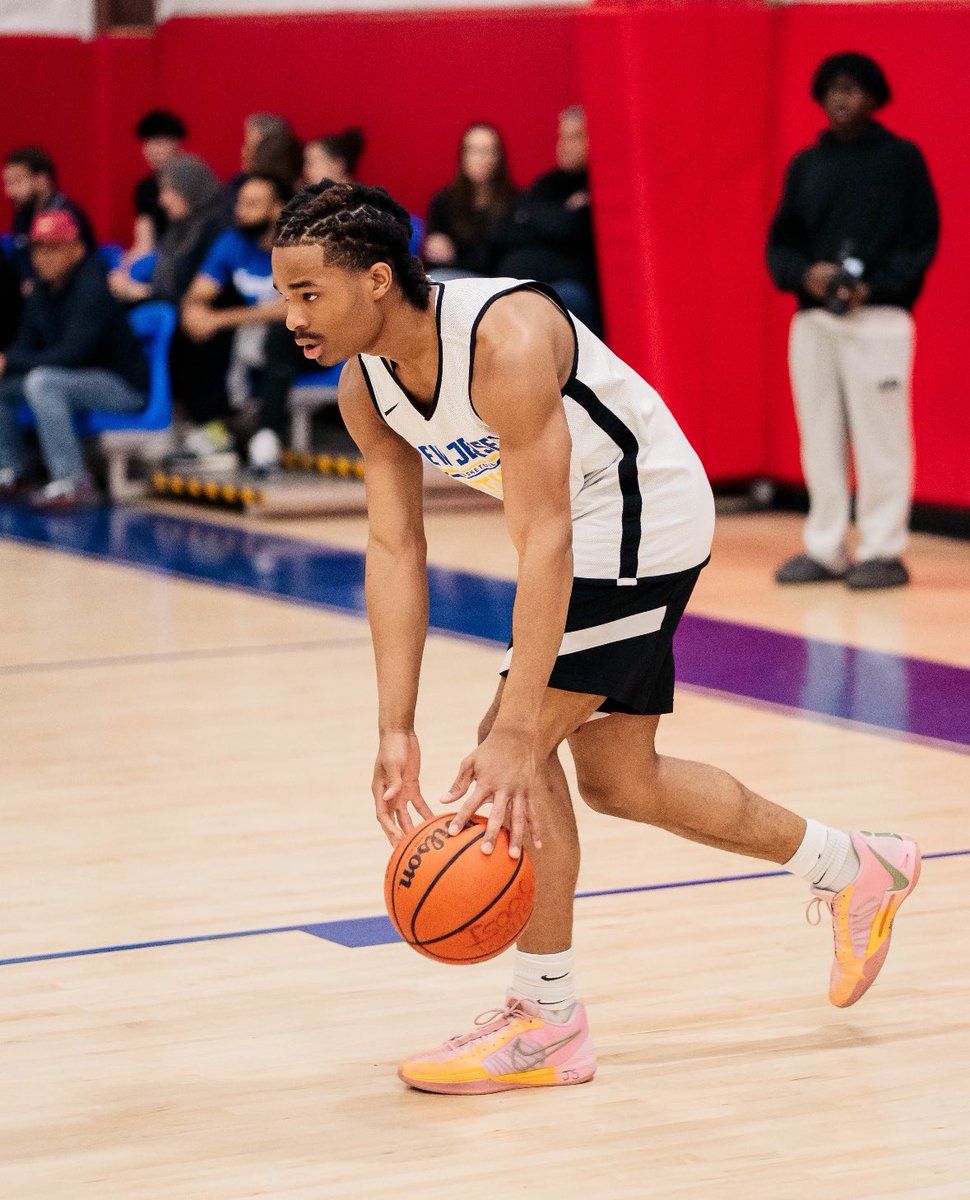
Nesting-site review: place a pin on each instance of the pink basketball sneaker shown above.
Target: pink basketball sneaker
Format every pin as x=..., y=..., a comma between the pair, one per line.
x=511, y=1047
x=863, y=912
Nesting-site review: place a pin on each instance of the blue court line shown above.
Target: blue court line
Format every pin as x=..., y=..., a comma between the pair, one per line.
x=357, y=932
x=875, y=690
x=174, y=656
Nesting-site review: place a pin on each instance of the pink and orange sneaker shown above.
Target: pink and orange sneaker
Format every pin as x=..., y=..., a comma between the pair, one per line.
x=511, y=1047
x=863, y=912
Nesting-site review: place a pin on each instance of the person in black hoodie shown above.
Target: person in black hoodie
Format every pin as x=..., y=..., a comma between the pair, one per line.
x=74, y=351
x=548, y=235
x=854, y=234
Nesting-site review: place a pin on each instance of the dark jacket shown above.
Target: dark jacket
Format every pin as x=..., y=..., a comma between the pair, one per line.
x=543, y=239
x=871, y=198
x=473, y=239
x=81, y=325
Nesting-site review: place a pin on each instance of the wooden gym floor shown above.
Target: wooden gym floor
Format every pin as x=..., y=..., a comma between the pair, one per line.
x=199, y=999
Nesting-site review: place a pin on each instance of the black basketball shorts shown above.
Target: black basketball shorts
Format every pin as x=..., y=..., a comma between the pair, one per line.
x=619, y=641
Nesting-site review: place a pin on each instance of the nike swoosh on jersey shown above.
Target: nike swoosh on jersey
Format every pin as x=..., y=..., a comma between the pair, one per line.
x=388, y=411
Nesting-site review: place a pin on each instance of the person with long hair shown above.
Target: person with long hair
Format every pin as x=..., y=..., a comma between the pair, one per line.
x=463, y=215
x=333, y=156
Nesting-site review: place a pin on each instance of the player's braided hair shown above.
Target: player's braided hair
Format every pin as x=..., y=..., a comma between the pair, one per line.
x=357, y=226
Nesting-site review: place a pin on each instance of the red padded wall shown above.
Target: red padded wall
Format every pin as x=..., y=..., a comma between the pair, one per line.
x=680, y=189
x=695, y=111
x=412, y=81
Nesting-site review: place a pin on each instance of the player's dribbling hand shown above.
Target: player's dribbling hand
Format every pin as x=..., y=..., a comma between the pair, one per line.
x=395, y=785
x=503, y=773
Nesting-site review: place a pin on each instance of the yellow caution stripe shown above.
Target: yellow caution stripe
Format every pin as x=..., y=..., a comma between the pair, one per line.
x=169, y=483
x=323, y=464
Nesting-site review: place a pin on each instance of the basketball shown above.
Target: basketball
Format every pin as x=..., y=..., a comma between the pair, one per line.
x=450, y=901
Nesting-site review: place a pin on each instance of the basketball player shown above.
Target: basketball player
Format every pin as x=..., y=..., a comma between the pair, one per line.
x=611, y=515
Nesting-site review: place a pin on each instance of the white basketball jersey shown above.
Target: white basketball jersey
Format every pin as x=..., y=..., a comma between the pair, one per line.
x=641, y=502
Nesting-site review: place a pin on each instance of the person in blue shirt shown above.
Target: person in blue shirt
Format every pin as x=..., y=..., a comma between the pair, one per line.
x=239, y=266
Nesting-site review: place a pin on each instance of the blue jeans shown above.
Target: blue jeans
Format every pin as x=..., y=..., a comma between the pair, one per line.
x=54, y=394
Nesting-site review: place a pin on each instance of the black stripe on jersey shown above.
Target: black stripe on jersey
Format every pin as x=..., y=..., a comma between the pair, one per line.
x=529, y=286
x=370, y=388
x=629, y=480
x=426, y=411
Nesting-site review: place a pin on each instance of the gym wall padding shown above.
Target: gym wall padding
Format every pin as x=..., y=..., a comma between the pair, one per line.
x=695, y=111
x=694, y=108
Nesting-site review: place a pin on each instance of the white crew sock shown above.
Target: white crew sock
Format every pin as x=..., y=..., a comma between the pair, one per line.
x=547, y=979
x=826, y=858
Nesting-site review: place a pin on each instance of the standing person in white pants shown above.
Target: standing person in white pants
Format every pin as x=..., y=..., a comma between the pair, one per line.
x=854, y=234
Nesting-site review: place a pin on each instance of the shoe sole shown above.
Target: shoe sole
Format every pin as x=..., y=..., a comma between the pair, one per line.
x=873, y=965
x=482, y=1087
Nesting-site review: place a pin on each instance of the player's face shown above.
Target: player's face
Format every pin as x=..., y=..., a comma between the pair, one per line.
x=847, y=106
x=333, y=313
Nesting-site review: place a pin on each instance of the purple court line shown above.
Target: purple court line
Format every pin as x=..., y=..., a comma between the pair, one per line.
x=911, y=698
x=355, y=932
x=850, y=724
x=167, y=656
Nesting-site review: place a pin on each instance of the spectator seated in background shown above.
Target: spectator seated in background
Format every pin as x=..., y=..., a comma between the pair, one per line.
x=75, y=351
x=462, y=217
x=161, y=134
x=30, y=183
x=548, y=235
x=333, y=156
x=189, y=194
x=280, y=155
x=241, y=259
x=256, y=127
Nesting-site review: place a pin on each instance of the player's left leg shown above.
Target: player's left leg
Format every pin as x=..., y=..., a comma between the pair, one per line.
x=862, y=877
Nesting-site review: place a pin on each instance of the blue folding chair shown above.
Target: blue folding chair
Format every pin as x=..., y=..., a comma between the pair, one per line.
x=127, y=435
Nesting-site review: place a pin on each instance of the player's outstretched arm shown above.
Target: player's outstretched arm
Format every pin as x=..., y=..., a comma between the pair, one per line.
x=524, y=353
x=396, y=587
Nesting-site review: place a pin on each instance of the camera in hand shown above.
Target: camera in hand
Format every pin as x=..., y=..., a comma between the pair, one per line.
x=850, y=272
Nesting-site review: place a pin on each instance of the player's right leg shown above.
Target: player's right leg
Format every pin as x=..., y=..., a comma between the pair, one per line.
x=539, y=1037
x=862, y=879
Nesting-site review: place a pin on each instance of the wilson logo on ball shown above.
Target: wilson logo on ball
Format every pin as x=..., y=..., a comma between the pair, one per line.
x=434, y=841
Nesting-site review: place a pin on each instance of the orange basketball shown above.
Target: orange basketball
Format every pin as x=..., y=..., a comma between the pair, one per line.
x=450, y=901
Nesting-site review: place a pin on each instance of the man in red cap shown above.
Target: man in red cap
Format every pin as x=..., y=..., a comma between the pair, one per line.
x=74, y=351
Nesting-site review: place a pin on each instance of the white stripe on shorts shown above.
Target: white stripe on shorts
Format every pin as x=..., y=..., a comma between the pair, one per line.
x=637, y=625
